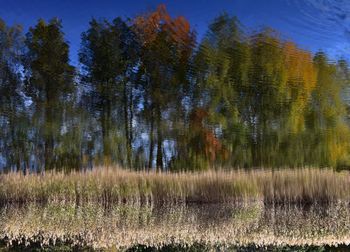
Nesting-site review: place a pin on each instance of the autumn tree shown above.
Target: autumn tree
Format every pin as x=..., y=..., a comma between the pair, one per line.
x=166, y=46
x=219, y=73
x=146, y=94
x=328, y=132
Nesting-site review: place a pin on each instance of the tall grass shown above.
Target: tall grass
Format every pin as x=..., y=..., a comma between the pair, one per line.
x=219, y=227
x=114, y=185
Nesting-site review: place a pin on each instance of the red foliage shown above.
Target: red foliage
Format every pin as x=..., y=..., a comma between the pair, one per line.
x=151, y=24
x=205, y=142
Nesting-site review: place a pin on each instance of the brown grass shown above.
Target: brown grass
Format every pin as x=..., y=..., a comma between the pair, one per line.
x=115, y=185
x=216, y=227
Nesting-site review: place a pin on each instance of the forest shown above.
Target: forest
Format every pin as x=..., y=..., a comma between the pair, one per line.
x=147, y=94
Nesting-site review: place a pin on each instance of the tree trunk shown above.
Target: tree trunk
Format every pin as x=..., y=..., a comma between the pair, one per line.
x=49, y=120
x=105, y=123
x=127, y=126
x=159, y=141
x=151, y=142
x=131, y=117
x=49, y=139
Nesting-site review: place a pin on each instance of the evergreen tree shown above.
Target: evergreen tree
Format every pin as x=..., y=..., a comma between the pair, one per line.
x=49, y=83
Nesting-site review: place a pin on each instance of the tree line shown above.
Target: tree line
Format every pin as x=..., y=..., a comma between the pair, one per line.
x=147, y=95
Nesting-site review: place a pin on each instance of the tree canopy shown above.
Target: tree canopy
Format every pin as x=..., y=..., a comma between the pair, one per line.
x=147, y=95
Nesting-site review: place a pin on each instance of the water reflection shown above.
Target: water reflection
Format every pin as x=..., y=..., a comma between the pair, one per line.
x=123, y=226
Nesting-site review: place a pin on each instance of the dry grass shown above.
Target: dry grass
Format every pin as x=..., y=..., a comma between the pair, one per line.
x=114, y=185
x=216, y=226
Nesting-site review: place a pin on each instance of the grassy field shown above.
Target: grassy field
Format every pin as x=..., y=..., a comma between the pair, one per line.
x=115, y=185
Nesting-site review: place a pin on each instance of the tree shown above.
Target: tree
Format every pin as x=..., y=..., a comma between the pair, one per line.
x=328, y=132
x=147, y=94
x=13, y=119
x=49, y=83
x=166, y=50
x=220, y=72
x=109, y=52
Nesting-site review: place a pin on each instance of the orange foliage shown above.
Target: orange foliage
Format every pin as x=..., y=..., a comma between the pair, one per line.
x=151, y=24
x=300, y=69
x=206, y=142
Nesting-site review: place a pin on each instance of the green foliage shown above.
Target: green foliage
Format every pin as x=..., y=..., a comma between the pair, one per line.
x=49, y=84
x=108, y=54
x=13, y=117
x=146, y=95
x=167, y=45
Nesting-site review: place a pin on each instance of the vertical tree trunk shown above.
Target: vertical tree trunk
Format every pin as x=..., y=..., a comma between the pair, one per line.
x=106, y=123
x=127, y=126
x=49, y=138
x=151, y=142
x=131, y=117
x=104, y=134
x=159, y=141
x=49, y=152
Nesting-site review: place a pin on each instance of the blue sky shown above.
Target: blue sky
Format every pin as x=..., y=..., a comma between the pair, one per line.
x=313, y=24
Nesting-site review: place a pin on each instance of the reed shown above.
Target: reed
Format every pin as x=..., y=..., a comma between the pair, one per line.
x=110, y=185
x=218, y=227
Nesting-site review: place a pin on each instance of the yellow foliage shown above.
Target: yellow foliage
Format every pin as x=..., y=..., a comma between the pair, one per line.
x=301, y=81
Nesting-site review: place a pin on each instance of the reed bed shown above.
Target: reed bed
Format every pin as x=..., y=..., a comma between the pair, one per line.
x=115, y=185
x=215, y=226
